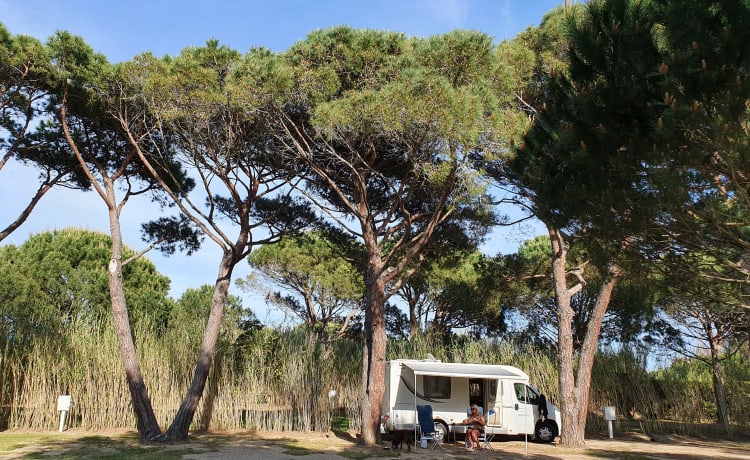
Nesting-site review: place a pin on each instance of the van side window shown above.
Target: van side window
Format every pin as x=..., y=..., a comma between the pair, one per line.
x=492, y=393
x=436, y=386
x=525, y=394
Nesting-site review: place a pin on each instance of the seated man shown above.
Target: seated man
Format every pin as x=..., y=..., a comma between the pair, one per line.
x=476, y=425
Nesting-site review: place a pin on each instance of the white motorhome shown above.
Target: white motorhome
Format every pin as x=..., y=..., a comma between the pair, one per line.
x=511, y=406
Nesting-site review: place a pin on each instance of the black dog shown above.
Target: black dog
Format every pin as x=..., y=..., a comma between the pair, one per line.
x=402, y=436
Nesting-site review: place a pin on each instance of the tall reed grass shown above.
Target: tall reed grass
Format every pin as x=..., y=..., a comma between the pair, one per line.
x=281, y=380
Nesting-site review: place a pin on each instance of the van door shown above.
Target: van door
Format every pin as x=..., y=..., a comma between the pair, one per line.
x=493, y=413
x=509, y=407
x=527, y=401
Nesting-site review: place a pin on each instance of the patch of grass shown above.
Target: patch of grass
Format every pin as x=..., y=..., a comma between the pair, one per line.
x=73, y=446
x=14, y=441
x=339, y=423
x=114, y=453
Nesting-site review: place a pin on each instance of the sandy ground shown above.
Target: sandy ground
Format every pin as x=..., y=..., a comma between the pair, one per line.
x=631, y=448
x=319, y=446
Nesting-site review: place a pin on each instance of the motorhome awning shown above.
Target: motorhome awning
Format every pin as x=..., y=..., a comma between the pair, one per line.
x=479, y=371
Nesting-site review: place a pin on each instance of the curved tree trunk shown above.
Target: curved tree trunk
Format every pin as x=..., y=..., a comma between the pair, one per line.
x=590, y=342
x=575, y=385
x=146, y=422
x=180, y=426
x=571, y=433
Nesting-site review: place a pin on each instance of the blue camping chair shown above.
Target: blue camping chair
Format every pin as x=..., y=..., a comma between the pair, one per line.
x=427, y=429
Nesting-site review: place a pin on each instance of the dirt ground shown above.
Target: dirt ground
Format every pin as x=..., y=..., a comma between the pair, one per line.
x=320, y=446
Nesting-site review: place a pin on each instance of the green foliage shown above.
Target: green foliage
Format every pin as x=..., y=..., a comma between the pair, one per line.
x=689, y=387
x=525, y=281
x=24, y=81
x=441, y=83
x=68, y=270
x=188, y=317
x=592, y=134
x=341, y=59
x=26, y=316
x=703, y=109
x=620, y=379
x=652, y=87
x=449, y=293
x=533, y=57
x=27, y=85
x=74, y=60
x=386, y=130
x=317, y=271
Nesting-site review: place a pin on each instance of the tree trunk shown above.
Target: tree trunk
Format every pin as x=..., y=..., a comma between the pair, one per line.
x=146, y=422
x=373, y=373
x=590, y=342
x=413, y=318
x=571, y=434
x=575, y=386
x=717, y=375
x=184, y=417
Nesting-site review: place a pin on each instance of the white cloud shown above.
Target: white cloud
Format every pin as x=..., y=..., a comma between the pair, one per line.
x=455, y=13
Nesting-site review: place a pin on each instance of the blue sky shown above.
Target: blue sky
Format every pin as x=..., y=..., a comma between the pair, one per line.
x=123, y=29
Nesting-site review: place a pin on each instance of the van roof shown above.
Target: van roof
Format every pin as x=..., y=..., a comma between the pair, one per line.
x=481, y=371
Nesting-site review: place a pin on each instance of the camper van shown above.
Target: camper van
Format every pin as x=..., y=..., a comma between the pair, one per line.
x=510, y=405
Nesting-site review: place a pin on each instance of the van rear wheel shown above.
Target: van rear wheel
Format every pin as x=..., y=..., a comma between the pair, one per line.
x=544, y=432
x=441, y=432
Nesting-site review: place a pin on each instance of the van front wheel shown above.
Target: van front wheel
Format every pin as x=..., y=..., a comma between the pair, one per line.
x=544, y=432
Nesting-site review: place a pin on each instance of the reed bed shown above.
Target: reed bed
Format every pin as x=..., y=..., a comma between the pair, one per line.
x=283, y=380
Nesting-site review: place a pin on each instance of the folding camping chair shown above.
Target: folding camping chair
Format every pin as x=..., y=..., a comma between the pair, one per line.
x=427, y=430
x=484, y=437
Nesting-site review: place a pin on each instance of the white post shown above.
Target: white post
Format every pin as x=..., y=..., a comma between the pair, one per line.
x=416, y=414
x=62, y=420
x=63, y=406
x=610, y=416
x=526, y=419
